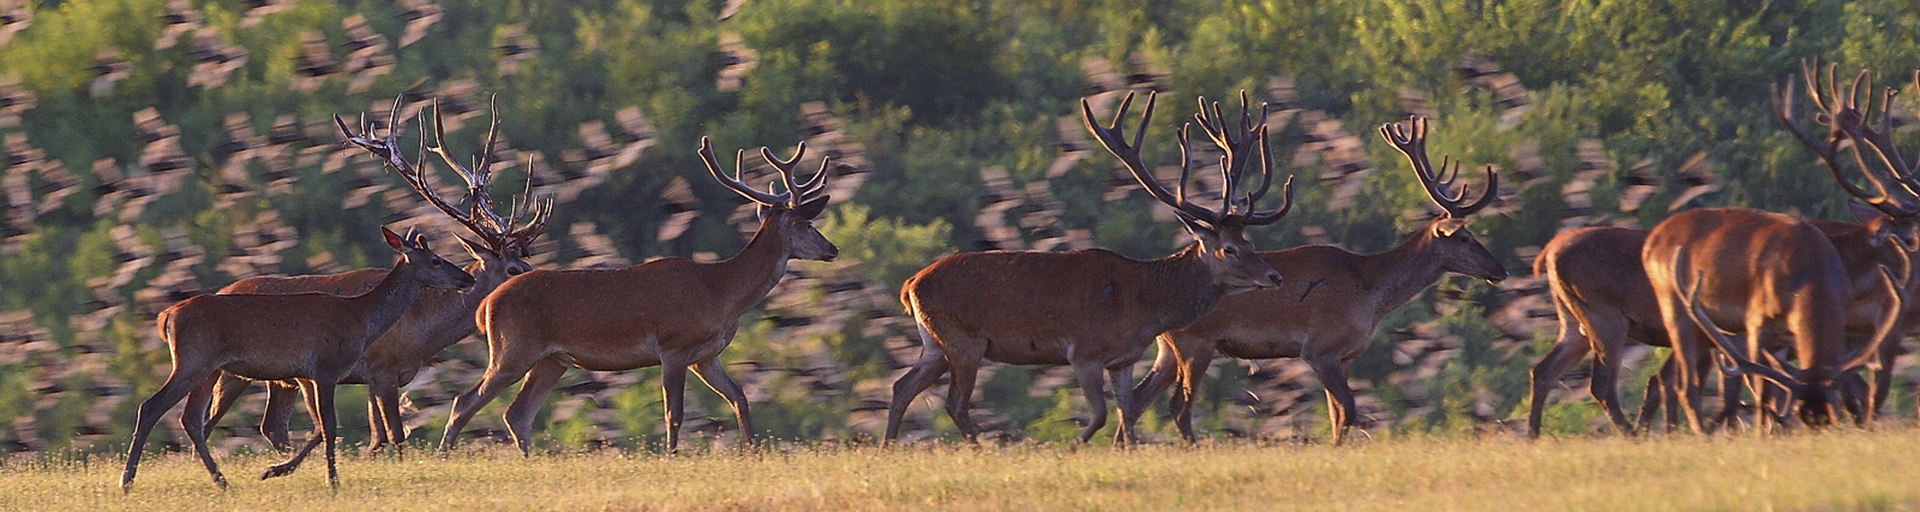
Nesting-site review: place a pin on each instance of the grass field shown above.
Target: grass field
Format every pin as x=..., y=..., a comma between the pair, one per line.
x=1842, y=470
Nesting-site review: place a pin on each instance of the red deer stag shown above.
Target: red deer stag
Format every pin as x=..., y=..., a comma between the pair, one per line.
x=437, y=320
x=1327, y=315
x=671, y=312
x=1895, y=212
x=313, y=337
x=1776, y=277
x=1603, y=297
x=1093, y=309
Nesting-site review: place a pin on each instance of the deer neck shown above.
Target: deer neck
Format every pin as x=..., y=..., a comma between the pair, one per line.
x=1400, y=273
x=1180, y=288
x=387, y=301
x=751, y=273
x=485, y=279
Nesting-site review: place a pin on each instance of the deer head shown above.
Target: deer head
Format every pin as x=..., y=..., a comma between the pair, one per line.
x=420, y=262
x=502, y=247
x=1447, y=236
x=1220, y=233
x=790, y=213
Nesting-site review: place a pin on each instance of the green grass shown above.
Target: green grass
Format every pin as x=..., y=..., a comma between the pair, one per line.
x=1842, y=470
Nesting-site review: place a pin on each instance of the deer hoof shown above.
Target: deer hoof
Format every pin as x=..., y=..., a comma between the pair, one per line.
x=277, y=470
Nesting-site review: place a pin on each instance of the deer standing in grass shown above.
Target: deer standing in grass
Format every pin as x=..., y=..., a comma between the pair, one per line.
x=1779, y=278
x=314, y=338
x=438, y=319
x=1603, y=297
x=1093, y=309
x=672, y=312
x=1327, y=314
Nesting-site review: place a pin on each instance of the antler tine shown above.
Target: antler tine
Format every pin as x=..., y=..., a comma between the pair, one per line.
x=538, y=225
x=1414, y=146
x=1783, y=113
x=1113, y=138
x=1266, y=161
x=1852, y=123
x=413, y=173
x=483, y=167
x=1186, y=165
x=785, y=168
x=1274, y=215
x=812, y=186
x=733, y=183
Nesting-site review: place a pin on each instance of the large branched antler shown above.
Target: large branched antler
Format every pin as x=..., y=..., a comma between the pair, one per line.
x=498, y=233
x=1849, y=126
x=795, y=194
x=1413, y=143
x=1238, y=145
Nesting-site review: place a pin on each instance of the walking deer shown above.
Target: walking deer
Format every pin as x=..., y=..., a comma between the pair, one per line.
x=1092, y=309
x=1326, y=316
x=671, y=312
x=314, y=338
x=1604, y=298
x=1777, y=277
x=438, y=319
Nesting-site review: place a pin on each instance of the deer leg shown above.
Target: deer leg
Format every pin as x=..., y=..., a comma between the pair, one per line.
x=1546, y=375
x=178, y=386
x=1882, y=382
x=533, y=396
x=1185, y=392
x=1690, y=360
x=501, y=372
x=329, y=428
x=960, y=397
x=226, y=392
x=1093, y=386
x=376, y=428
x=1656, y=393
x=1172, y=367
x=714, y=374
x=932, y=364
x=673, y=382
x=1340, y=405
x=396, y=425
x=309, y=389
x=1120, y=379
x=194, y=421
x=281, y=399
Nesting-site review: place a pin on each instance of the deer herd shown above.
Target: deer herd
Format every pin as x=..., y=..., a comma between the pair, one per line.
x=1786, y=307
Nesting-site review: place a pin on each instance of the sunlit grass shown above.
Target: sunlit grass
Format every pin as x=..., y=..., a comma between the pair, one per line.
x=1844, y=470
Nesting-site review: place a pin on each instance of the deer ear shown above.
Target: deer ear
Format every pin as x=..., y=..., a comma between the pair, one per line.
x=812, y=208
x=393, y=239
x=1447, y=227
x=1194, y=227
x=1863, y=213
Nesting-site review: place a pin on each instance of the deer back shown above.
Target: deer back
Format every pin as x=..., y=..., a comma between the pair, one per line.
x=1754, y=264
x=1028, y=303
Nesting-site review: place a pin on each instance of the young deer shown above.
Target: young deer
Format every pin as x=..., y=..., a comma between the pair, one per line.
x=1328, y=314
x=1092, y=309
x=671, y=312
x=314, y=338
x=437, y=320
